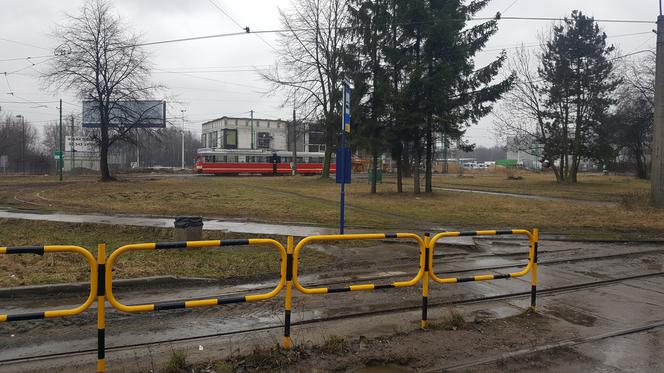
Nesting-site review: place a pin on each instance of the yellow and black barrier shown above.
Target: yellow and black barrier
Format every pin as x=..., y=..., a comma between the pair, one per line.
x=294, y=260
x=349, y=237
x=171, y=305
x=531, y=267
x=41, y=250
x=101, y=308
x=101, y=275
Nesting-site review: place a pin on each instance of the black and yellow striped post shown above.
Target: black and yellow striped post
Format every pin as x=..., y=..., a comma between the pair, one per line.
x=533, y=287
x=425, y=284
x=289, y=292
x=101, y=308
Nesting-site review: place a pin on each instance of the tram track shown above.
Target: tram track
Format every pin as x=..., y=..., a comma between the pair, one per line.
x=386, y=311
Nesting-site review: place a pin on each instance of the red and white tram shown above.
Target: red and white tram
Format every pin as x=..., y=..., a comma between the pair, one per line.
x=259, y=161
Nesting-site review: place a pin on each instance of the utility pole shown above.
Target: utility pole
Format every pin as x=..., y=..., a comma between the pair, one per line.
x=72, y=141
x=657, y=167
x=252, y=129
x=182, y=111
x=294, y=171
x=445, y=155
x=61, y=156
x=22, y=142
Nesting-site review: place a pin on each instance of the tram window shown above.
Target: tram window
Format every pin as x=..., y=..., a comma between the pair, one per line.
x=209, y=158
x=287, y=159
x=231, y=158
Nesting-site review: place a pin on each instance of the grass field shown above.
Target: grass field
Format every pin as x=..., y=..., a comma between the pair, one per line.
x=594, y=187
x=231, y=262
x=310, y=200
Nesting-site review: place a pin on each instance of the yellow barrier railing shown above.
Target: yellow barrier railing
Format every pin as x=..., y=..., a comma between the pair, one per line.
x=101, y=275
x=192, y=303
x=531, y=267
x=41, y=250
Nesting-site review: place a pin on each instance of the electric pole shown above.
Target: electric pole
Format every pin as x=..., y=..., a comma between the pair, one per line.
x=294, y=171
x=252, y=129
x=61, y=155
x=72, y=141
x=182, y=111
x=657, y=167
x=22, y=142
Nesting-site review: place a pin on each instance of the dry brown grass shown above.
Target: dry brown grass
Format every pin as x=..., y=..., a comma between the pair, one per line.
x=216, y=263
x=313, y=201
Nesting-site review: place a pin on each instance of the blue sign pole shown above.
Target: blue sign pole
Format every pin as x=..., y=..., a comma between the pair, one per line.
x=343, y=172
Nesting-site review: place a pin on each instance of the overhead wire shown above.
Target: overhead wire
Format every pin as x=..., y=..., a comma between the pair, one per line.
x=246, y=29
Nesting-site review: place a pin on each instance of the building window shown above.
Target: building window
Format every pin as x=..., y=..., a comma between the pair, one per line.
x=264, y=140
x=212, y=140
x=203, y=140
x=230, y=139
x=316, y=141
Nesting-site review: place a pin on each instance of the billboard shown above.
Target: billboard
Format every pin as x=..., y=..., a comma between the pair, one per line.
x=80, y=144
x=131, y=113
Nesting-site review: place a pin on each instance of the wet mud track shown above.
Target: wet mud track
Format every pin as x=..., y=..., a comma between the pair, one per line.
x=604, y=302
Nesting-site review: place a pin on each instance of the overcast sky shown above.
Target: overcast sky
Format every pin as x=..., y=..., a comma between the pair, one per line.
x=234, y=87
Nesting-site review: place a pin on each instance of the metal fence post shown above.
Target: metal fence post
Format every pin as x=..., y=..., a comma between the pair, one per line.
x=101, y=311
x=289, y=292
x=533, y=288
x=425, y=283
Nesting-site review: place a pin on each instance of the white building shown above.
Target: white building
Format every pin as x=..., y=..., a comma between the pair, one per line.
x=271, y=134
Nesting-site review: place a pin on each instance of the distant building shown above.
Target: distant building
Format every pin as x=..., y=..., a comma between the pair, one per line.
x=271, y=134
x=526, y=151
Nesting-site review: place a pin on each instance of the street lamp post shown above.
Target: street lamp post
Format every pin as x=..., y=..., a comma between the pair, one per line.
x=183, y=111
x=22, y=142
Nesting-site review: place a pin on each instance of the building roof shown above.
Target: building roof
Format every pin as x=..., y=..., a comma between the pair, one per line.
x=244, y=118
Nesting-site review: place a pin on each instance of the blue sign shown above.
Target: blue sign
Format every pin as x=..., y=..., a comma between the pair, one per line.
x=344, y=167
x=346, y=107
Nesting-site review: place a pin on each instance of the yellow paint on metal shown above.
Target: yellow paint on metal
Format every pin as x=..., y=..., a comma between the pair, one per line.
x=3, y=250
x=287, y=342
x=484, y=277
x=101, y=312
x=3, y=318
x=92, y=263
x=193, y=244
x=101, y=365
x=201, y=303
x=424, y=324
x=101, y=253
x=361, y=287
x=486, y=233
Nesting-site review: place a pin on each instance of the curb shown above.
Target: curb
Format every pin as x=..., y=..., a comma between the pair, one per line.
x=78, y=287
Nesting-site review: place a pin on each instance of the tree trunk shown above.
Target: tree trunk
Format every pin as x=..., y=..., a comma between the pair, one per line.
x=428, y=168
x=400, y=174
x=641, y=170
x=329, y=147
x=103, y=155
x=406, y=161
x=374, y=176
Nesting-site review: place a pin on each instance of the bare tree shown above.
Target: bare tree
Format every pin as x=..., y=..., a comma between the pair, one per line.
x=521, y=119
x=310, y=60
x=101, y=61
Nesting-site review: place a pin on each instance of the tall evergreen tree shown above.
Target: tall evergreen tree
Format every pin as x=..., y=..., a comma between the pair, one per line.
x=578, y=81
